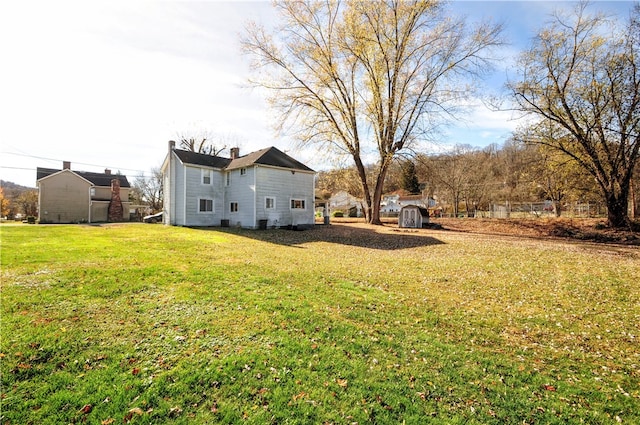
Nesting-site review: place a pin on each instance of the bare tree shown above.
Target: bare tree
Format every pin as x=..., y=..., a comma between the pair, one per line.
x=355, y=77
x=202, y=142
x=581, y=79
x=149, y=189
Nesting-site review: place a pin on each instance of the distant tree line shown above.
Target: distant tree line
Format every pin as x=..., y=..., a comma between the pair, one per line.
x=17, y=201
x=468, y=179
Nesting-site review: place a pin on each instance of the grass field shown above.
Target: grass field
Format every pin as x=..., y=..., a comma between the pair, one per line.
x=342, y=324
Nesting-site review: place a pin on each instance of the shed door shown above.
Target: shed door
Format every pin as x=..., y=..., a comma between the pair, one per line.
x=409, y=217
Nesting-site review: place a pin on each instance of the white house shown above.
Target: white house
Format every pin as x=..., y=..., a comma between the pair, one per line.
x=263, y=188
x=345, y=202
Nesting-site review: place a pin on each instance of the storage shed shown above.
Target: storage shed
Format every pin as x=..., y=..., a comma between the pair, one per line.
x=413, y=216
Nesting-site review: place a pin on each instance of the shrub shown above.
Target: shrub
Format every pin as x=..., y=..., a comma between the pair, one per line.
x=338, y=214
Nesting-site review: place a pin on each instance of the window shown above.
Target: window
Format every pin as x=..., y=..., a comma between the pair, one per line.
x=206, y=176
x=228, y=178
x=269, y=203
x=205, y=205
x=233, y=207
x=243, y=171
x=298, y=204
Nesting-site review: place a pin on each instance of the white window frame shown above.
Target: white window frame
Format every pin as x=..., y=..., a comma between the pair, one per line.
x=266, y=202
x=294, y=200
x=243, y=171
x=206, y=173
x=231, y=204
x=200, y=205
x=228, y=178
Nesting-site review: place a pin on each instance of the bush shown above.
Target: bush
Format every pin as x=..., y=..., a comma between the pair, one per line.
x=31, y=220
x=338, y=214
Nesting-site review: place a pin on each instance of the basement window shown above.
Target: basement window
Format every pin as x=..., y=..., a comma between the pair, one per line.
x=298, y=204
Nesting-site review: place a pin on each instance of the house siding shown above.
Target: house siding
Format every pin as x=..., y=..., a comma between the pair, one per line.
x=64, y=198
x=197, y=191
x=283, y=185
x=178, y=192
x=241, y=189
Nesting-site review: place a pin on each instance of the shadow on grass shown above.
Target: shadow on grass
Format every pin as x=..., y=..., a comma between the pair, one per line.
x=374, y=237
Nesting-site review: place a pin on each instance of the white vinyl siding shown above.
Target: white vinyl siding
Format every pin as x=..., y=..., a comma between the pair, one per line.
x=241, y=191
x=283, y=185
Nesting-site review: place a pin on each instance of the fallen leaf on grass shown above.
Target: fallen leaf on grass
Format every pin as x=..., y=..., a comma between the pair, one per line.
x=86, y=409
x=299, y=396
x=342, y=382
x=108, y=421
x=549, y=387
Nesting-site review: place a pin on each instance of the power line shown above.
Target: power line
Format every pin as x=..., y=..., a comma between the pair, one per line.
x=59, y=160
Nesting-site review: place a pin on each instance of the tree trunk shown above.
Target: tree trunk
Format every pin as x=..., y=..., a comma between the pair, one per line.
x=365, y=187
x=617, y=209
x=377, y=194
x=556, y=208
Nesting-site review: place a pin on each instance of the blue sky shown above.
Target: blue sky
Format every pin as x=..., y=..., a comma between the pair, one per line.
x=106, y=83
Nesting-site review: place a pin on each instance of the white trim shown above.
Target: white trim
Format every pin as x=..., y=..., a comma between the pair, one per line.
x=213, y=206
x=303, y=199
x=273, y=198
x=65, y=171
x=204, y=172
x=237, y=207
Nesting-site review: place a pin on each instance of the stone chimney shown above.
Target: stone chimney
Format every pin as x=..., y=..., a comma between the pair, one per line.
x=107, y=171
x=66, y=165
x=235, y=153
x=172, y=145
x=115, y=211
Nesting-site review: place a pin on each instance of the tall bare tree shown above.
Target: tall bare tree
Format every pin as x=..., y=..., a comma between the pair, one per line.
x=581, y=79
x=358, y=77
x=149, y=189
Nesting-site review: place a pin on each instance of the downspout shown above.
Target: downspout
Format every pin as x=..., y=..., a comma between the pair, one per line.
x=255, y=195
x=184, y=195
x=90, y=204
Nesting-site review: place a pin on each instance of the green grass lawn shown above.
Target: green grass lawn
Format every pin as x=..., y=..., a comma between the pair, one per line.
x=148, y=324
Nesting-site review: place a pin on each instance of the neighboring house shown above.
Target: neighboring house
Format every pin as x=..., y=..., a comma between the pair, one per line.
x=345, y=202
x=263, y=188
x=68, y=196
x=392, y=204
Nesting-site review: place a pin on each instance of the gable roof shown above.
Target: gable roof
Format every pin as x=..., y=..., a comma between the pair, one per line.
x=188, y=157
x=97, y=179
x=268, y=156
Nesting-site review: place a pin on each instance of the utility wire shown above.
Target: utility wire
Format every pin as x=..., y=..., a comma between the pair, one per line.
x=59, y=160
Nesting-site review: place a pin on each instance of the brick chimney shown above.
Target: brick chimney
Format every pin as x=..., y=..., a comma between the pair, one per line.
x=66, y=165
x=235, y=153
x=115, y=211
x=172, y=145
x=107, y=171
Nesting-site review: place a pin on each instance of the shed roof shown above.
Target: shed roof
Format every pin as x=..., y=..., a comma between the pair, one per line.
x=423, y=211
x=97, y=179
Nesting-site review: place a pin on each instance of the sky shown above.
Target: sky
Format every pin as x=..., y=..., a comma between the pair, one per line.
x=107, y=83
